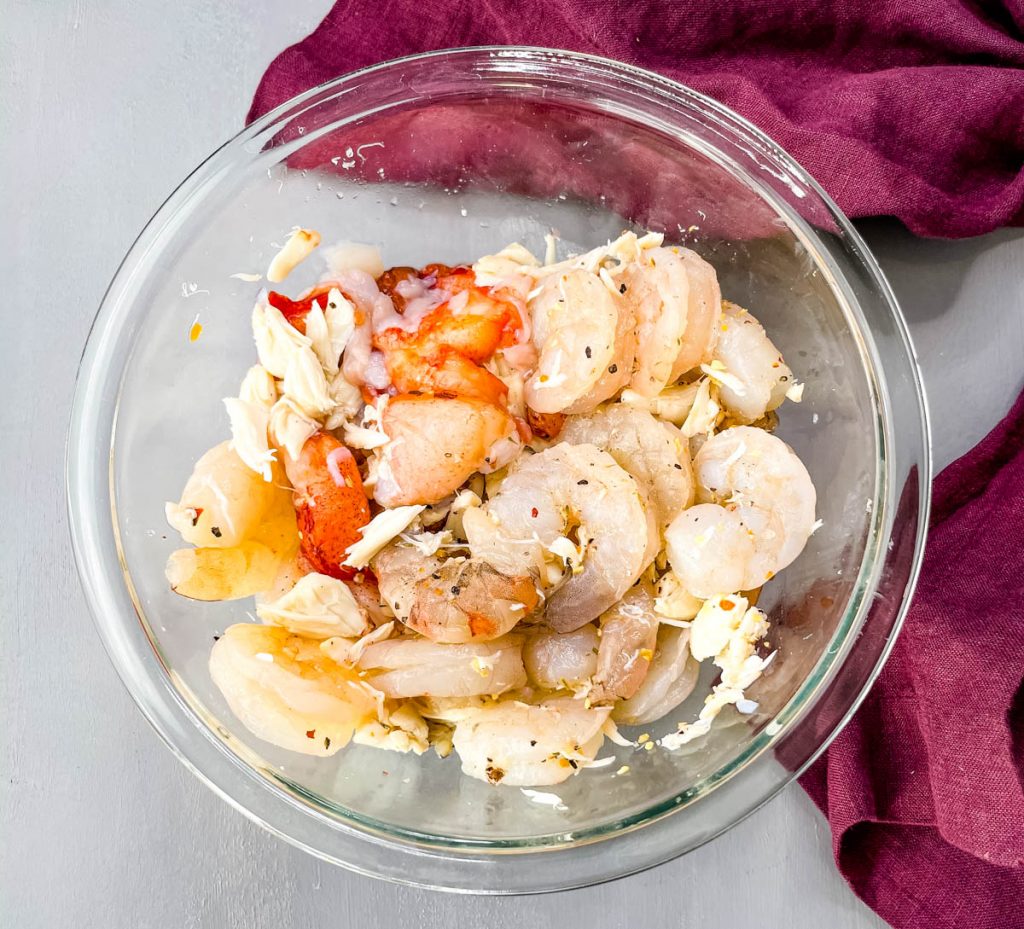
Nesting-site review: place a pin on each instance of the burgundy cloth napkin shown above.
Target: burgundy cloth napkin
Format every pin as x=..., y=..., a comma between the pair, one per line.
x=911, y=109
x=924, y=788
x=906, y=108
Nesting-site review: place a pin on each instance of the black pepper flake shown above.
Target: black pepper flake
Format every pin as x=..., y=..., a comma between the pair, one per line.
x=583, y=482
x=623, y=288
x=612, y=369
x=215, y=530
x=456, y=590
x=327, y=741
x=447, y=454
x=587, y=351
x=678, y=467
x=533, y=742
x=436, y=575
x=216, y=638
x=572, y=764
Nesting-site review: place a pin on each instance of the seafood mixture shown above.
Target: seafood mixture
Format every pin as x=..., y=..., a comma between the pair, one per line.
x=495, y=509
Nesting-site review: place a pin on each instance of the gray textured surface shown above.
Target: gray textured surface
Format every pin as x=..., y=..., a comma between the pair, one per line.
x=104, y=106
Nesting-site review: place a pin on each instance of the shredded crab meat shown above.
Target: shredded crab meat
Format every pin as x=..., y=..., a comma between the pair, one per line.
x=300, y=245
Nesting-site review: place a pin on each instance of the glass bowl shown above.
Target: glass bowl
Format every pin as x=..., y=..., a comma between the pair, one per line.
x=445, y=157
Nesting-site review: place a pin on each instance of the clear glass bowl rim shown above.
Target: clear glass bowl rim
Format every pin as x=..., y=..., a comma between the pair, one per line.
x=161, y=698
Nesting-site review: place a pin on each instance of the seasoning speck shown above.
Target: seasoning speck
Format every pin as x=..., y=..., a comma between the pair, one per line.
x=215, y=532
x=494, y=775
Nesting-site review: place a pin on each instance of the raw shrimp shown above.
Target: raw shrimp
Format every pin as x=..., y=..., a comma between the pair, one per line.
x=523, y=745
x=558, y=660
x=565, y=489
x=629, y=631
x=657, y=289
x=330, y=503
x=670, y=680
x=584, y=334
x=436, y=444
x=750, y=357
x=654, y=453
x=722, y=549
x=286, y=691
x=452, y=600
x=676, y=301
x=703, y=309
x=755, y=469
x=417, y=667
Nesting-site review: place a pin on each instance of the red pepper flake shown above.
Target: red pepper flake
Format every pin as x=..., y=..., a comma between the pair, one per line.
x=728, y=605
x=310, y=733
x=535, y=512
x=198, y=510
